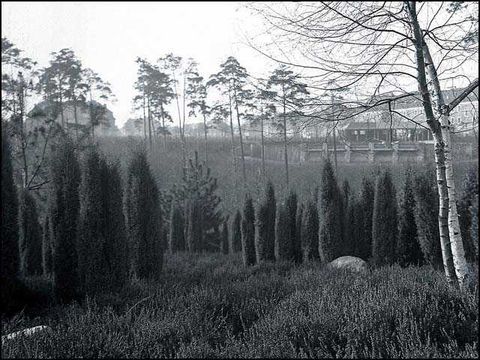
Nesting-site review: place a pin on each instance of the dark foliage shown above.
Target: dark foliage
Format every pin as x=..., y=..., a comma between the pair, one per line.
x=310, y=231
x=470, y=189
x=265, y=236
x=331, y=218
x=64, y=214
x=10, y=255
x=385, y=221
x=236, y=238
x=408, y=246
x=248, y=233
x=47, y=247
x=30, y=236
x=177, y=229
x=426, y=218
x=143, y=218
x=224, y=236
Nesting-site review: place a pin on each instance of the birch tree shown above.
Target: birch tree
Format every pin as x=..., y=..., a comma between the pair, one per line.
x=388, y=46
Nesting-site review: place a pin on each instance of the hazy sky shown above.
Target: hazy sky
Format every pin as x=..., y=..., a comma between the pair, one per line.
x=108, y=37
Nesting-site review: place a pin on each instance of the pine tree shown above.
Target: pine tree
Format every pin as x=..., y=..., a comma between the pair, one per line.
x=9, y=237
x=198, y=191
x=248, y=233
x=408, y=248
x=47, y=247
x=310, y=233
x=224, y=237
x=470, y=189
x=426, y=218
x=194, y=235
x=385, y=222
x=365, y=219
x=144, y=219
x=236, y=239
x=265, y=237
x=30, y=236
x=64, y=214
x=177, y=229
x=331, y=223
x=295, y=241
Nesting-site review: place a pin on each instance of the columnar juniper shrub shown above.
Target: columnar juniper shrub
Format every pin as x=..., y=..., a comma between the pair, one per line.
x=9, y=266
x=347, y=217
x=470, y=189
x=408, y=247
x=310, y=231
x=236, y=238
x=248, y=233
x=64, y=215
x=224, y=237
x=331, y=219
x=426, y=218
x=365, y=220
x=298, y=245
x=385, y=221
x=30, y=236
x=295, y=252
x=90, y=234
x=47, y=247
x=474, y=232
x=282, y=241
x=143, y=218
x=265, y=234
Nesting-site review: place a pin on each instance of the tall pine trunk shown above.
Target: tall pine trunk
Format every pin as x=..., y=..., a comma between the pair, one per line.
x=234, y=159
x=205, y=133
x=241, y=137
x=285, y=137
x=263, y=148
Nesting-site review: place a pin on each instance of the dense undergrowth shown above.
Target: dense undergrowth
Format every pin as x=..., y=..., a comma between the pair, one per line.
x=211, y=306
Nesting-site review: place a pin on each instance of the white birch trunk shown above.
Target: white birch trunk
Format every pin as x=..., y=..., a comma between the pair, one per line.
x=456, y=243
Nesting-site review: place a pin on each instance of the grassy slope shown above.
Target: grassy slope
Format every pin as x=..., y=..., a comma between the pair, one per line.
x=211, y=306
x=304, y=177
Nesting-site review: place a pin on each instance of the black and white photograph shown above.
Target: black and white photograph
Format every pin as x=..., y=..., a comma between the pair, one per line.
x=239, y=179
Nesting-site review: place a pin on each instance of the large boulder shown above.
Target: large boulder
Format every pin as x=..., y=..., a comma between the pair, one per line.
x=351, y=263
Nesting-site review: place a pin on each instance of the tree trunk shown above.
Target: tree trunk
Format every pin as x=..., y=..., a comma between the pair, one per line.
x=149, y=118
x=75, y=117
x=90, y=107
x=449, y=262
x=242, y=153
x=334, y=137
x=164, y=130
x=456, y=242
x=263, y=148
x=234, y=159
x=285, y=137
x=181, y=131
x=144, y=119
x=205, y=132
